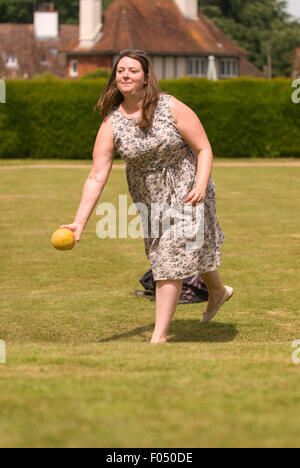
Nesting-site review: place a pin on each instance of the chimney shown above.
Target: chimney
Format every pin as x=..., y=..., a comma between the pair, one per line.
x=90, y=23
x=46, y=22
x=189, y=8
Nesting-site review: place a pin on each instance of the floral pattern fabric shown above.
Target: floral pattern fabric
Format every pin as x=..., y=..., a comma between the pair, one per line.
x=161, y=170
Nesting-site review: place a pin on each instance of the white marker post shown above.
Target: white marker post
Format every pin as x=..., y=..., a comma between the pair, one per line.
x=2, y=352
x=2, y=92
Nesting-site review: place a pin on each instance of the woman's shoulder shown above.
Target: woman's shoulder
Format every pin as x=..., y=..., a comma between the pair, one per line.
x=164, y=96
x=169, y=99
x=179, y=110
x=171, y=102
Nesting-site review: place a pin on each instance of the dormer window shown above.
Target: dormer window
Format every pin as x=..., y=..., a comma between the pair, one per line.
x=11, y=62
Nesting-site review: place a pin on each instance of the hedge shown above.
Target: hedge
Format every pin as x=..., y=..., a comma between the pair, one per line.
x=53, y=118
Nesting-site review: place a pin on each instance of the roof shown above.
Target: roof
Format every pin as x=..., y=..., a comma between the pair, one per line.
x=18, y=40
x=158, y=27
x=248, y=69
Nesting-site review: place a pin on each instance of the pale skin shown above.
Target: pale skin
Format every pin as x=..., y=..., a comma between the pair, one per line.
x=131, y=82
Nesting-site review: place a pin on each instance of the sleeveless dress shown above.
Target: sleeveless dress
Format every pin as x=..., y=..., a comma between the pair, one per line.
x=161, y=171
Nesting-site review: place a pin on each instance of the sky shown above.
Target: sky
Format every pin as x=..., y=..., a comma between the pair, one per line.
x=294, y=7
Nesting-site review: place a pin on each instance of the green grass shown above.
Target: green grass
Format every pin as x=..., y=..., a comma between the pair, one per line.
x=80, y=370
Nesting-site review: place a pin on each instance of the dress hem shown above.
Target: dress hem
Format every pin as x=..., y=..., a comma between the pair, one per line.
x=188, y=275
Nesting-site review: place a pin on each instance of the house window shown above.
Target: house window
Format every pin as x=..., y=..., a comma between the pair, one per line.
x=44, y=61
x=11, y=62
x=197, y=66
x=175, y=67
x=229, y=68
x=164, y=68
x=74, y=68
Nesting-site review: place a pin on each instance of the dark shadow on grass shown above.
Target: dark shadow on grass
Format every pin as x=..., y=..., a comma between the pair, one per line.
x=186, y=331
x=193, y=331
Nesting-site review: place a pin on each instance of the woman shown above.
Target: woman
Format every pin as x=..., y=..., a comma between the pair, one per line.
x=168, y=158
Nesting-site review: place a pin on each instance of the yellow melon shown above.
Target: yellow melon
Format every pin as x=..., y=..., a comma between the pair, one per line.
x=63, y=239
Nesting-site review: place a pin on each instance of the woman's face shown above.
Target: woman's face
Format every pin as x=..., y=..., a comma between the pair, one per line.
x=130, y=77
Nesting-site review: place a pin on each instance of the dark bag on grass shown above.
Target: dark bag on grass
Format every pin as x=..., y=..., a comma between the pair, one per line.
x=193, y=289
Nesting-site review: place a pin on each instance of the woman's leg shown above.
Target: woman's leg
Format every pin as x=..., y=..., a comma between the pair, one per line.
x=167, y=296
x=215, y=288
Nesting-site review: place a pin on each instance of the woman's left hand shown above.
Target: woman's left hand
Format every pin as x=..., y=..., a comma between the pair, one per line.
x=197, y=195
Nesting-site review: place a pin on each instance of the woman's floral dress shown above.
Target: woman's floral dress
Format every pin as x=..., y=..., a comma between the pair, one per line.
x=161, y=171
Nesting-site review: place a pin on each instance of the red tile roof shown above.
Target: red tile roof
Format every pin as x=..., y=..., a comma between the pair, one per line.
x=159, y=27
x=248, y=69
x=18, y=40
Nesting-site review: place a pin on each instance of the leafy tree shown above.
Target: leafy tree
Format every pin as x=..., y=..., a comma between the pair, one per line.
x=21, y=11
x=259, y=26
x=16, y=11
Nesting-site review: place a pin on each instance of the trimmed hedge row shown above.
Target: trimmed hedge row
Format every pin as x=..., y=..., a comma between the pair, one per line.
x=52, y=118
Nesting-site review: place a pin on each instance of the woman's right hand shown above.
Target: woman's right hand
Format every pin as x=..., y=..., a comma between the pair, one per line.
x=75, y=228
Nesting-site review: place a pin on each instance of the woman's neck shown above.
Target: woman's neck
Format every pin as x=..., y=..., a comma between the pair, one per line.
x=132, y=104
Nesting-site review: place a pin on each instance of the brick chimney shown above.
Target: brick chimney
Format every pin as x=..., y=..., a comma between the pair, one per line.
x=46, y=22
x=90, y=23
x=189, y=8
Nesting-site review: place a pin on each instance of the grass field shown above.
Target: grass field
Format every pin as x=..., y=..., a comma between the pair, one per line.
x=80, y=371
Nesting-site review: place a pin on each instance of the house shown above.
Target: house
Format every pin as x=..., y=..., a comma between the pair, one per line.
x=178, y=38
x=27, y=50
x=296, y=65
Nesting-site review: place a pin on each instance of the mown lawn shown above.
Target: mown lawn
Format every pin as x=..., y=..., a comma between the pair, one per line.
x=80, y=370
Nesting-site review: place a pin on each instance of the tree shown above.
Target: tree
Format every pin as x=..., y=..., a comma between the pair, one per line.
x=259, y=26
x=21, y=11
x=16, y=11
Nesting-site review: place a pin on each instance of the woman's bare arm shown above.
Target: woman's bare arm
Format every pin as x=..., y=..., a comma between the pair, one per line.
x=193, y=133
x=102, y=163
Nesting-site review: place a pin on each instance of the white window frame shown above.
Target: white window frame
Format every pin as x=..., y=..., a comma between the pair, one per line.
x=44, y=61
x=74, y=69
x=11, y=62
x=197, y=67
x=229, y=68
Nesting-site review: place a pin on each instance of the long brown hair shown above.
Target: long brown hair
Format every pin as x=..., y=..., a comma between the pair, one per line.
x=112, y=97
